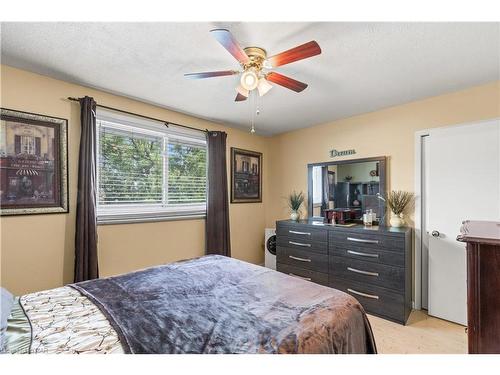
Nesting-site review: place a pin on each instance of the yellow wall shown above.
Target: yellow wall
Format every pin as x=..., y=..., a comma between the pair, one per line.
x=37, y=251
x=389, y=132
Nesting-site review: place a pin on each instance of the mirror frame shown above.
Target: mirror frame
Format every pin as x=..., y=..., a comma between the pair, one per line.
x=382, y=179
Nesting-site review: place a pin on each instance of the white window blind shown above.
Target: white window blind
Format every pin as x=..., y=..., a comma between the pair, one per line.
x=147, y=171
x=187, y=172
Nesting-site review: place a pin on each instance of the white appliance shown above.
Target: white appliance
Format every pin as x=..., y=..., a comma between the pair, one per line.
x=270, y=248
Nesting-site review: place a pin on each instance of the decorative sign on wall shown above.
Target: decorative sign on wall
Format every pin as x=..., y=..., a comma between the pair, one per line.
x=334, y=153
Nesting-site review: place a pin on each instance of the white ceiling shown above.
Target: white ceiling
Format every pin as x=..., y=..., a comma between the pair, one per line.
x=363, y=66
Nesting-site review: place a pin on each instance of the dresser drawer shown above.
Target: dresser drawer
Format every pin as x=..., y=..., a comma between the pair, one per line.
x=375, y=300
x=302, y=243
x=368, y=272
x=301, y=273
x=302, y=232
x=302, y=258
x=362, y=240
x=370, y=255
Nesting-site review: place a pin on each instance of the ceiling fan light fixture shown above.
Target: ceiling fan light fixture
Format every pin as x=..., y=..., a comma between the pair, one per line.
x=257, y=66
x=243, y=91
x=249, y=80
x=264, y=86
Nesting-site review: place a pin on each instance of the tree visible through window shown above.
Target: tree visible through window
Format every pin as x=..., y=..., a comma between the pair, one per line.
x=131, y=168
x=186, y=173
x=140, y=168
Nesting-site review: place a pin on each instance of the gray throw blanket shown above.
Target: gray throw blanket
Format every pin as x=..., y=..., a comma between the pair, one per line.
x=216, y=304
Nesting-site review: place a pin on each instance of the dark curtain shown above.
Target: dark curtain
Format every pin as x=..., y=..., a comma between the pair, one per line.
x=217, y=240
x=86, y=267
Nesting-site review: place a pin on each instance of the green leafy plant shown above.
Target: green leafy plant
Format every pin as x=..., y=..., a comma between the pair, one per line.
x=397, y=200
x=132, y=170
x=295, y=200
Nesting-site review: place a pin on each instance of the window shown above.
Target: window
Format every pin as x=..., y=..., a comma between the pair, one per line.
x=27, y=144
x=147, y=171
x=317, y=185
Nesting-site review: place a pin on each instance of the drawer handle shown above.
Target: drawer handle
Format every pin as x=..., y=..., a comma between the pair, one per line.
x=362, y=272
x=299, y=244
x=362, y=254
x=300, y=277
x=302, y=233
x=361, y=240
x=362, y=294
x=300, y=259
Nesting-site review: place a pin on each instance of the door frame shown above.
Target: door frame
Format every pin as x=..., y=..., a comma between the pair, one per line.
x=418, y=188
x=417, y=244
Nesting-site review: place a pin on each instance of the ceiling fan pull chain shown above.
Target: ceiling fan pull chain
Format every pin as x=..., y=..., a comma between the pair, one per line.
x=252, y=105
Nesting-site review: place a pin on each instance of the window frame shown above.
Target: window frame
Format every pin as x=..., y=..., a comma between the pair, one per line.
x=150, y=212
x=28, y=144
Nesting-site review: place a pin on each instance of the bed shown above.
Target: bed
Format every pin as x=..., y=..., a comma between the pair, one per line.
x=211, y=304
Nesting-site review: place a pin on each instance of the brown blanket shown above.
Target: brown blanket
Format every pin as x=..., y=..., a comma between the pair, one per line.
x=216, y=304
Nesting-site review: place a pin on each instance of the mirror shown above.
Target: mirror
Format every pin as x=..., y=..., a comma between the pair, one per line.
x=344, y=190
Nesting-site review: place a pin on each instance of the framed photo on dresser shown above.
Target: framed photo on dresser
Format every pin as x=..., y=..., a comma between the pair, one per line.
x=246, y=176
x=33, y=163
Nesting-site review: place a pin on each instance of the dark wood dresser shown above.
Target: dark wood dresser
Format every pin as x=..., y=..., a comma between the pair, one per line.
x=372, y=264
x=483, y=285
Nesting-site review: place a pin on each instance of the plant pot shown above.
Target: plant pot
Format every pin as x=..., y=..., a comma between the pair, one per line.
x=294, y=216
x=397, y=221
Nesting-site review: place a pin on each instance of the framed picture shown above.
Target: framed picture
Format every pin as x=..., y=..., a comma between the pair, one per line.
x=246, y=176
x=33, y=163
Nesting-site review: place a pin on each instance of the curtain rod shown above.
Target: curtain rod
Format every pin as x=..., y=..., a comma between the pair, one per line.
x=146, y=117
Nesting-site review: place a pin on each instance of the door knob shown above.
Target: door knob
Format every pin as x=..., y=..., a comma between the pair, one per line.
x=435, y=233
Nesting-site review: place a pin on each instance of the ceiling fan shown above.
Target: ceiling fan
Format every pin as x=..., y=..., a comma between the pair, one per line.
x=256, y=65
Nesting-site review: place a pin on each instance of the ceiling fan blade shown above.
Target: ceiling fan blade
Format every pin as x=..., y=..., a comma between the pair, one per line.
x=298, y=53
x=240, y=98
x=220, y=73
x=285, y=81
x=227, y=40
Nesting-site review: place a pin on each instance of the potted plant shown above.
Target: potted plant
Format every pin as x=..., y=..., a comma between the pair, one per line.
x=295, y=201
x=397, y=200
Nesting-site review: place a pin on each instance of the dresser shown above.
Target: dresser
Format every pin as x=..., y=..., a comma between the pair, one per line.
x=374, y=265
x=483, y=285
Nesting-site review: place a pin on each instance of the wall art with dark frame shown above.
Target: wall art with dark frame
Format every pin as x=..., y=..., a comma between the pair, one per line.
x=33, y=163
x=246, y=176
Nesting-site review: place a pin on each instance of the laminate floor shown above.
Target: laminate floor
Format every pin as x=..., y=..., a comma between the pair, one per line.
x=423, y=334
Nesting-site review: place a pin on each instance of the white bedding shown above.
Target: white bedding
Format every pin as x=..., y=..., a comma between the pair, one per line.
x=64, y=321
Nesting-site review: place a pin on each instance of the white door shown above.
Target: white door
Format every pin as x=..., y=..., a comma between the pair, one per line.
x=463, y=183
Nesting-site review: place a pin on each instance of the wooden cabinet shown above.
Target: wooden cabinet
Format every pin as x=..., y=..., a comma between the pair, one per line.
x=372, y=264
x=483, y=285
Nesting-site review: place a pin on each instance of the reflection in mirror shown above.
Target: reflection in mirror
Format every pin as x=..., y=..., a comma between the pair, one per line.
x=344, y=191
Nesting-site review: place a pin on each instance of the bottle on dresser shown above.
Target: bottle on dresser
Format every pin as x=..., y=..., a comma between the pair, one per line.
x=368, y=218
